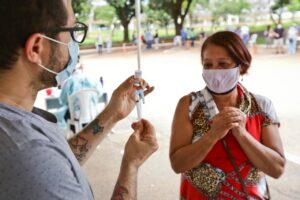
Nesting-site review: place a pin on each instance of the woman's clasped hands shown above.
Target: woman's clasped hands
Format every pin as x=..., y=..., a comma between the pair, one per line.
x=228, y=119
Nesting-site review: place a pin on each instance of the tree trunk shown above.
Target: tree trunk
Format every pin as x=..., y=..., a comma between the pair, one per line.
x=176, y=12
x=126, y=32
x=272, y=18
x=280, y=18
x=191, y=18
x=178, y=27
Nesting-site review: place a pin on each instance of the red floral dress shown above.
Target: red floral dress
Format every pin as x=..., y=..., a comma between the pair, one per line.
x=215, y=177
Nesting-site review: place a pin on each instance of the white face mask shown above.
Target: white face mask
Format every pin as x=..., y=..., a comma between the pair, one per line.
x=63, y=75
x=221, y=81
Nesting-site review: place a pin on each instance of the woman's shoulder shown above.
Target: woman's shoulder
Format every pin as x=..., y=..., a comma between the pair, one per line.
x=190, y=97
x=193, y=98
x=267, y=108
x=263, y=101
x=185, y=100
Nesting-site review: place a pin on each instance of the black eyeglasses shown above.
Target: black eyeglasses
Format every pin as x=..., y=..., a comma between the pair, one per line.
x=78, y=32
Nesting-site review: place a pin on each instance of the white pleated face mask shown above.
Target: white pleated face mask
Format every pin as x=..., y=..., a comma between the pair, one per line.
x=221, y=81
x=73, y=53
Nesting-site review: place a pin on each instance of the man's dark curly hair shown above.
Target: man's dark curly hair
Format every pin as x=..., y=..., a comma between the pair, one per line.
x=21, y=18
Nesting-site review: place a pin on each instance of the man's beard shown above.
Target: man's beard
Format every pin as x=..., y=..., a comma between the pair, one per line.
x=47, y=78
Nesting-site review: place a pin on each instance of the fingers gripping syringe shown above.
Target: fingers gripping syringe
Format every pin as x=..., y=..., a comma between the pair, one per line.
x=139, y=93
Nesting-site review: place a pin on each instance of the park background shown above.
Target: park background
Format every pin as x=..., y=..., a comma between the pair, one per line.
x=176, y=71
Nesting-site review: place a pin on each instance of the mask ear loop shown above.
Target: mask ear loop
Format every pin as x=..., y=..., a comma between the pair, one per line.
x=53, y=40
x=49, y=70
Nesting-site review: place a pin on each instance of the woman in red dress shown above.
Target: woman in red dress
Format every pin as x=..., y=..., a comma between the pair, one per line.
x=224, y=138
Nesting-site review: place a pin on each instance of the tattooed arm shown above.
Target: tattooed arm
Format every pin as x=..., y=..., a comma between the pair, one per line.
x=141, y=144
x=120, y=105
x=86, y=141
x=126, y=186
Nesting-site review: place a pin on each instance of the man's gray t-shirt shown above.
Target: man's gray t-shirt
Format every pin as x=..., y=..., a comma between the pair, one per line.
x=36, y=161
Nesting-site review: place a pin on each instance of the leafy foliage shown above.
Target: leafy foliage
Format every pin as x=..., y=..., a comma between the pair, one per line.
x=125, y=10
x=277, y=9
x=105, y=13
x=177, y=9
x=159, y=16
x=279, y=4
x=294, y=5
x=221, y=8
x=82, y=9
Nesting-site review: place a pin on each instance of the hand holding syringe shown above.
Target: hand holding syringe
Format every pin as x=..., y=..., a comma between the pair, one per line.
x=139, y=93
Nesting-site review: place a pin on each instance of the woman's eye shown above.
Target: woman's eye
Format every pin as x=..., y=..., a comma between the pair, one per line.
x=224, y=64
x=207, y=65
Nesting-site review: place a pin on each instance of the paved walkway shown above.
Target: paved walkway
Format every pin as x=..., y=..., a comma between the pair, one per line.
x=176, y=72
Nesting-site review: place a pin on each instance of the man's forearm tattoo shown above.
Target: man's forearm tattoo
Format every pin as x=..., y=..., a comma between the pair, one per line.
x=96, y=128
x=80, y=147
x=119, y=193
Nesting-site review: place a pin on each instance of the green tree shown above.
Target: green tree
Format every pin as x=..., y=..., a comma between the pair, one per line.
x=177, y=9
x=159, y=17
x=294, y=6
x=82, y=9
x=105, y=14
x=222, y=8
x=277, y=9
x=125, y=10
x=196, y=4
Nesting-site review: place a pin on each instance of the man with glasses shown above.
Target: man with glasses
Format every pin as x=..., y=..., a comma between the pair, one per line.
x=38, y=49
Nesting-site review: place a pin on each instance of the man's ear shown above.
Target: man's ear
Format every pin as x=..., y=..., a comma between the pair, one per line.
x=34, y=47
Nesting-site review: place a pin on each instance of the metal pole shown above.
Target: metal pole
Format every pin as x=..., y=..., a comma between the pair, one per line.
x=138, y=26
